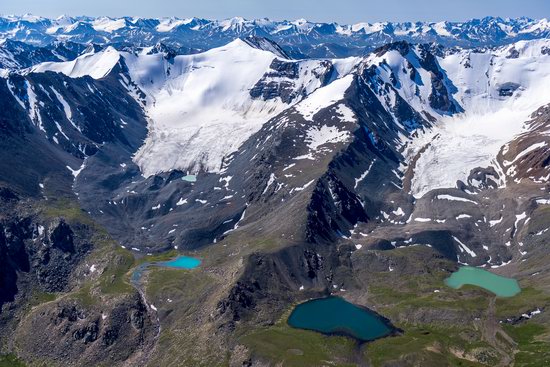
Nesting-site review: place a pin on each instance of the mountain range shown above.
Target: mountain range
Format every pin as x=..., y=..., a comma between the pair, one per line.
x=291, y=172
x=300, y=38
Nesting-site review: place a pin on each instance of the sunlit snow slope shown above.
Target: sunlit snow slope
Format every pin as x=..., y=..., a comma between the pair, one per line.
x=200, y=106
x=95, y=65
x=498, y=90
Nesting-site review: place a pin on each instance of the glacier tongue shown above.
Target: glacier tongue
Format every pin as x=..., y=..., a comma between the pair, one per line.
x=498, y=93
x=200, y=109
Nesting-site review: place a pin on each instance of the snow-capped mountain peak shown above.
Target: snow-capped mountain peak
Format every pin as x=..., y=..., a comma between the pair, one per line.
x=202, y=106
x=96, y=65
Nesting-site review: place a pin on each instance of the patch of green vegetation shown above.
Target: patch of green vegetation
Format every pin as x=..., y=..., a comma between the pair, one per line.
x=40, y=297
x=429, y=346
x=412, y=295
x=404, y=297
x=181, y=295
x=67, y=209
x=166, y=280
x=394, y=292
x=185, y=287
x=527, y=300
x=165, y=256
x=10, y=360
x=285, y=346
x=533, y=344
x=114, y=279
x=84, y=296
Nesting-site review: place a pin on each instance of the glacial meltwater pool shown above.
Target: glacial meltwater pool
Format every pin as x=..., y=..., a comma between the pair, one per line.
x=499, y=285
x=189, y=178
x=334, y=315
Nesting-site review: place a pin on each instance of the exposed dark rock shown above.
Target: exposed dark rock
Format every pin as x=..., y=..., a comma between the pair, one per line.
x=87, y=336
x=62, y=237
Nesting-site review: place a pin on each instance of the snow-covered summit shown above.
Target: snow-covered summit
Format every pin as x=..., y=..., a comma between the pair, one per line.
x=96, y=65
x=202, y=107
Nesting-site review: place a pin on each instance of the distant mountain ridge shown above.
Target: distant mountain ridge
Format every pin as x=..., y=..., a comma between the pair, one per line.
x=300, y=38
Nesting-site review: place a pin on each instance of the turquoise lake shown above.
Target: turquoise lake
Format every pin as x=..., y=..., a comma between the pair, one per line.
x=334, y=315
x=182, y=262
x=499, y=285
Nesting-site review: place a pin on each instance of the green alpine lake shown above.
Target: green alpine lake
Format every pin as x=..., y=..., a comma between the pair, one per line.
x=334, y=315
x=499, y=285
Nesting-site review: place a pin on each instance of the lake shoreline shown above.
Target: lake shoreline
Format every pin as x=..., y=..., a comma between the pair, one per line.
x=498, y=285
x=392, y=329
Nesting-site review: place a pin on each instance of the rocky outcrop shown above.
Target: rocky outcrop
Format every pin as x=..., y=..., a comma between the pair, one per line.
x=75, y=334
x=333, y=210
x=528, y=155
x=44, y=256
x=283, y=81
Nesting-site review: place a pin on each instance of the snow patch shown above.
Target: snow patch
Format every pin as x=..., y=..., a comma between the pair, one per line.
x=422, y=220
x=324, y=97
x=465, y=248
x=454, y=198
x=319, y=136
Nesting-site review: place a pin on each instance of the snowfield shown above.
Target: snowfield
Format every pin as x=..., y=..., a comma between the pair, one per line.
x=473, y=139
x=96, y=65
x=324, y=97
x=200, y=109
x=199, y=106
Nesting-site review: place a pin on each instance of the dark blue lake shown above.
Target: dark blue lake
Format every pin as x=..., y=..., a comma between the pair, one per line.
x=334, y=315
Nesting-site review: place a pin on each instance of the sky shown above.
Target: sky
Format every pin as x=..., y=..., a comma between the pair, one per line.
x=341, y=11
